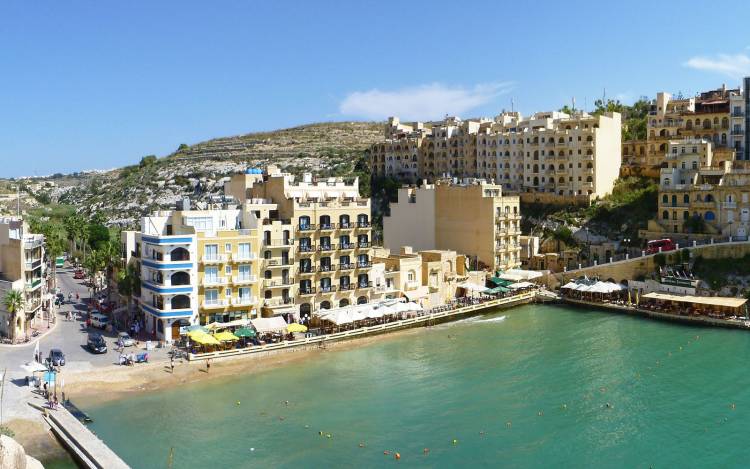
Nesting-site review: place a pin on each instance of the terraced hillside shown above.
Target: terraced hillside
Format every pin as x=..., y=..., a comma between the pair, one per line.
x=121, y=196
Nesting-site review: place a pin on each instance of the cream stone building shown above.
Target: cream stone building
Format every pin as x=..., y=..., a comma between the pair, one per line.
x=552, y=155
x=429, y=277
x=22, y=268
x=473, y=217
x=271, y=246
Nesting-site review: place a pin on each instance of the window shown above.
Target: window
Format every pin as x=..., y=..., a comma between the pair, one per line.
x=211, y=274
x=228, y=292
x=244, y=272
x=211, y=252
x=243, y=250
x=228, y=247
x=228, y=270
x=212, y=296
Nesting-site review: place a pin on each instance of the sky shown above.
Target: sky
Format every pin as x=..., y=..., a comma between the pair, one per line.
x=97, y=85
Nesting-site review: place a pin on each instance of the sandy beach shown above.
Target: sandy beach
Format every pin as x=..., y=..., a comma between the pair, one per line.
x=111, y=383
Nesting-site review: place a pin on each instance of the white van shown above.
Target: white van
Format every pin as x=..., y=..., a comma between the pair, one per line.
x=99, y=320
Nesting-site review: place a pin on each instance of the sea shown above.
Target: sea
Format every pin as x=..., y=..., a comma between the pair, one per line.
x=537, y=386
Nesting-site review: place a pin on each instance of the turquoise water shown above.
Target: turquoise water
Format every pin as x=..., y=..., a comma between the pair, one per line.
x=527, y=387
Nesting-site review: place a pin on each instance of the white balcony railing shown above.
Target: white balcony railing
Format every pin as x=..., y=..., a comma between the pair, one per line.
x=244, y=301
x=213, y=281
x=237, y=257
x=214, y=304
x=214, y=259
x=244, y=279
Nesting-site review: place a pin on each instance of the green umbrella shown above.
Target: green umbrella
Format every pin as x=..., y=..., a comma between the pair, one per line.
x=244, y=332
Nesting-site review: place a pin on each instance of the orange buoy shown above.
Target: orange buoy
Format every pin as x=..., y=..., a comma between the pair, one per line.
x=397, y=455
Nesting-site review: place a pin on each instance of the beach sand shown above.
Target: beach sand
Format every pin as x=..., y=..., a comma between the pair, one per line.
x=112, y=382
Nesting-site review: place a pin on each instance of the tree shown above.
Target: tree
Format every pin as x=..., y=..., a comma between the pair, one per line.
x=13, y=302
x=127, y=283
x=54, y=243
x=75, y=226
x=660, y=260
x=182, y=147
x=147, y=161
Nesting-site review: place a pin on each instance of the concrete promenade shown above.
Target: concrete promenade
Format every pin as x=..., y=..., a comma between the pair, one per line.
x=695, y=320
x=88, y=450
x=419, y=321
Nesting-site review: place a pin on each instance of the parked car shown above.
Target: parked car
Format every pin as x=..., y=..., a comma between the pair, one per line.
x=56, y=357
x=96, y=343
x=98, y=320
x=78, y=275
x=124, y=339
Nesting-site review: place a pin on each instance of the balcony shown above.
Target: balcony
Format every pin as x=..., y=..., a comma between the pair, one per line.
x=274, y=302
x=214, y=259
x=363, y=285
x=33, y=264
x=411, y=285
x=346, y=287
x=325, y=268
x=306, y=270
x=307, y=291
x=306, y=249
x=278, y=243
x=213, y=281
x=738, y=114
x=244, y=257
x=327, y=289
x=364, y=245
x=278, y=283
x=212, y=304
x=364, y=265
x=326, y=247
x=346, y=266
x=327, y=226
x=347, y=226
x=738, y=132
x=364, y=224
x=33, y=284
x=244, y=279
x=347, y=246
x=731, y=205
x=307, y=227
x=244, y=301
x=272, y=263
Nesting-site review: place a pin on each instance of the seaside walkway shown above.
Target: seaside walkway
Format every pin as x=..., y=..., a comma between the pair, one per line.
x=424, y=320
x=649, y=313
x=88, y=450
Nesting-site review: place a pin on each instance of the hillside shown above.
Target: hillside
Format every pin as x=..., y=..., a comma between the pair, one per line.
x=122, y=195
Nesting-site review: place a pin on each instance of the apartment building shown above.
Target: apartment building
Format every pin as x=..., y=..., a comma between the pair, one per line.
x=271, y=246
x=472, y=217
x=22, y=268
x=328, y=263
x=552, y=155
x=702, y=201
x=196, y=267
x=428, y=277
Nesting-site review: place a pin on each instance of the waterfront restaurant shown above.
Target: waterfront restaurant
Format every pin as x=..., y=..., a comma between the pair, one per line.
x=712, y=306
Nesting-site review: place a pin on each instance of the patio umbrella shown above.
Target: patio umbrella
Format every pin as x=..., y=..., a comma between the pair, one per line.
x=244, y=332
x=225, y=336
x=205, y=339
x=294, y=327
x=196, y=327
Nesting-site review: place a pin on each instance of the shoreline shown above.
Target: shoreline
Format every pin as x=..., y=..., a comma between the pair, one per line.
x=112, y=382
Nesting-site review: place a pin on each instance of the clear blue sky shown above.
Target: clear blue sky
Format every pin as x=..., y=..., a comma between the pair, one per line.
x=87, y=85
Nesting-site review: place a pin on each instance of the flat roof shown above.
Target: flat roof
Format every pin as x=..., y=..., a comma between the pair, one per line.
x=703, y=300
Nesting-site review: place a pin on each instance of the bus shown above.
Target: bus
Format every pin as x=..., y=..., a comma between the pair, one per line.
x=654, y=246
x=60, y=261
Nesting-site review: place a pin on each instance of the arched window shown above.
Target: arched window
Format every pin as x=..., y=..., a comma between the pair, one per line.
x=343, y=302
x=325, y=305
x=709, y=216
x=180, y=278
x=180, y=254
x=362, y=300
x=665, y=215
x=181, y=302
x=686, y=199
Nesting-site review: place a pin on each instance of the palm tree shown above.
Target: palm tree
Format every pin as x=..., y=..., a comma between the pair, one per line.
x=110, y=253
x=127, y=283
x=13, y=302
x=54, y=244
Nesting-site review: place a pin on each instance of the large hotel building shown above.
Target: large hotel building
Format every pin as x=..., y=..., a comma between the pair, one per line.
x=271, y=246
x=548, y=157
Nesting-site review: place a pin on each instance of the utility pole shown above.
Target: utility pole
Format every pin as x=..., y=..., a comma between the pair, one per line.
x=18, y=199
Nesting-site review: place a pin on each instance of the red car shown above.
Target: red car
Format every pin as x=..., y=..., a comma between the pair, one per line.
x=78, y=275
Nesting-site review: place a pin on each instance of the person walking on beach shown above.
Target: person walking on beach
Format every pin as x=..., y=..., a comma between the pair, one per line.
x=208, y=365
x=171, y=363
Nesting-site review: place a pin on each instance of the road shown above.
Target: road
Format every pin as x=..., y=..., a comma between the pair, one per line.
x=70, y=337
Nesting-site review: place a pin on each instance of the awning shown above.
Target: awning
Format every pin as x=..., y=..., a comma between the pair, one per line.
x=196, y=327
x=420, y=292
x=267, y=325
x=244, y=332
x=702, y=300
x=519, y=285
x=496, y=290
x=499, y=282
x=224, y=325
x=472, y=287
x=517, y=275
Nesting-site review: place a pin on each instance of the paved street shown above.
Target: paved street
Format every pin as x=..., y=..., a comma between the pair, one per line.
x=70, y=337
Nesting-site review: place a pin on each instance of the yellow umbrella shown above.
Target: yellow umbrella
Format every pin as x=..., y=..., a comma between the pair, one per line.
x=205, y=339
x=225, y=336
x=294, y=327
x=196, y=333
